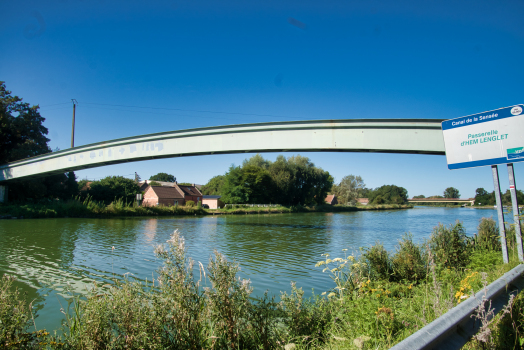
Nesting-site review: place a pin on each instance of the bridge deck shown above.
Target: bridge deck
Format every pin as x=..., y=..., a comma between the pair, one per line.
x=422, y=136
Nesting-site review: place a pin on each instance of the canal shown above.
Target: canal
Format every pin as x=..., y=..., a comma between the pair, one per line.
x=52, y=257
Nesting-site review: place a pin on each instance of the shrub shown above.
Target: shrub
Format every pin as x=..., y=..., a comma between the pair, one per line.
x=14, y=317
x=190, y=203
x=379, y=262
x=450, y=245
x=408, y=261
x=487, y=237
x=307, y=321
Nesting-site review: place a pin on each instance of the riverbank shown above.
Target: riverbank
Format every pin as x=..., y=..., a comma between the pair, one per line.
x=378, y=299
x=88, y=208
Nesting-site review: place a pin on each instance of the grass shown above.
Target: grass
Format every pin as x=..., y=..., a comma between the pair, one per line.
x=89, y=208
x=378, y=298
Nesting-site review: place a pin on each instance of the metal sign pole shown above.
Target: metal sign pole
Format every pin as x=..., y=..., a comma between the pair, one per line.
x=514, y=202
x=500, y=213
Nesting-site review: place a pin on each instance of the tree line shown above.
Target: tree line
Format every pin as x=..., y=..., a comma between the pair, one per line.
x=287, y=181
x=294, y=181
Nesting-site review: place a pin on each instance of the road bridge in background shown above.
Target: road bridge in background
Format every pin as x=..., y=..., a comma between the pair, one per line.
x=471, y=201
x=422, y=136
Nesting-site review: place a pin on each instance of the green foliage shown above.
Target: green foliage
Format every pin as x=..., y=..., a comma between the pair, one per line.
x=451, y=192
x=388, y=194
x=379, y=262
x=506, y=198
x=307, y=320
x=409, y=262
x=190, y=203
x=163, y=177
x=154, y=183
x=14, y=313
x=21, y=127
x=112, y=188
x=419, y=196
x=290, y=181
x=450, y=245
x=60, y=186
x=349, y=189
x=214, y=186
x=487, y=237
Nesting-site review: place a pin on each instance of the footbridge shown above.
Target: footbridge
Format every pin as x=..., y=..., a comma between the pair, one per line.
x=423, y=136
x=471, y=201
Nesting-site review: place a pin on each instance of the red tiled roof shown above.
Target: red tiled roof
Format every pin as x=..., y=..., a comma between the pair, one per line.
x=329, y=198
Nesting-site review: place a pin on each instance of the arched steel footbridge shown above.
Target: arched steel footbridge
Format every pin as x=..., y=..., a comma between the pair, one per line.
x=422, y=136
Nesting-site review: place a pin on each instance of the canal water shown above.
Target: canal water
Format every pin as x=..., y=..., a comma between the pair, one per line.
x=51, y=257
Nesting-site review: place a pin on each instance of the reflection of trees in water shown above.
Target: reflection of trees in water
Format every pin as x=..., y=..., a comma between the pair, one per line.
x=286, y=242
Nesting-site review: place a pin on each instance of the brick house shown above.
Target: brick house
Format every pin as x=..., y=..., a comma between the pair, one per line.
x=331, y=199
x=191, y=193
x=171, y=195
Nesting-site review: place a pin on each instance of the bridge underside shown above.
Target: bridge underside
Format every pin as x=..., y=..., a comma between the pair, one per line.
x=414, y=136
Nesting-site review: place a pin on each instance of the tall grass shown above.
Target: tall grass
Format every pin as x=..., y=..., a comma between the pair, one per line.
x=378, y=298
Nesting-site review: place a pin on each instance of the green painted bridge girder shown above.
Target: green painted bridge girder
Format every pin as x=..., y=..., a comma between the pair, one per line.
x=423, y=136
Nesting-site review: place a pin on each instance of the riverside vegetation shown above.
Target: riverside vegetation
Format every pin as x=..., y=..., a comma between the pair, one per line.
x=88, y=207
x=378, y=298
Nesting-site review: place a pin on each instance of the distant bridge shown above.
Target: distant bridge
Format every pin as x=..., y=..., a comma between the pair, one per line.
x=442, y=200
x=422, y=136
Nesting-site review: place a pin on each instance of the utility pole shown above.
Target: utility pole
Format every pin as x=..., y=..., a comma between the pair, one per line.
x=73, y=128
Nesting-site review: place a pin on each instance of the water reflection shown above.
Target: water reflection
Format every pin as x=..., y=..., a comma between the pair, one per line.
x=53, y=256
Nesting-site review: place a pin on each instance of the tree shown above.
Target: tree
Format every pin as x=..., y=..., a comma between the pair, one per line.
x=419, y=196
x=23, y=134
x=483, y=197
x=349, y=189
x=290, y=181
x=389, y=194
x=163, y=177
x=214, y=186
x=451, y=192
x=113, y=188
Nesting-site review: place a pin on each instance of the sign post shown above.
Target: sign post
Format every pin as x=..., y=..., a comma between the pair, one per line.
x=500, y=213
x=489, y=138
x=515, y=204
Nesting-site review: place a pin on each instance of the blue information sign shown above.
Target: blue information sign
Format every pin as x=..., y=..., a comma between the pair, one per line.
x=487, y=138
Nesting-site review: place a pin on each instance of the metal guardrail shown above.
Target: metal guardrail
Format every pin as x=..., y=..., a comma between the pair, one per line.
x=453, y=329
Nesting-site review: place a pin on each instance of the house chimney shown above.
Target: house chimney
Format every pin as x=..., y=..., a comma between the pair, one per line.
x=193, y=185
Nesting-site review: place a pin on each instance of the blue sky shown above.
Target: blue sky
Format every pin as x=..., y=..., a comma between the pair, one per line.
x=292, y=60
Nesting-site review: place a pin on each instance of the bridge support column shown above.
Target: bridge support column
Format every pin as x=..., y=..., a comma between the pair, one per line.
x=3, y=193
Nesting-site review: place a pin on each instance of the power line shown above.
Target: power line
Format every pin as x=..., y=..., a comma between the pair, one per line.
x=56, y=104
x=191, y=110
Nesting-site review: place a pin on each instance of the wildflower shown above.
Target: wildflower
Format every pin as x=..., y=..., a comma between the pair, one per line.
x=331, y=295
x=338, y=260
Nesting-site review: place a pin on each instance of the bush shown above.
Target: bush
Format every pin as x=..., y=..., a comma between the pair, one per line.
x=450, y=245
x=190, y=203
x=487, y=237
x=13, y=312
x=408, y=261
x=379, y=262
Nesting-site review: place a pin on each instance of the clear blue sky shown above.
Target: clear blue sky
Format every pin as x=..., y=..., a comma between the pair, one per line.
x=293, y=60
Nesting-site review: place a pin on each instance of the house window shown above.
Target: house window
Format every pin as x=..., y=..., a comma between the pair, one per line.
x=175, y=203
